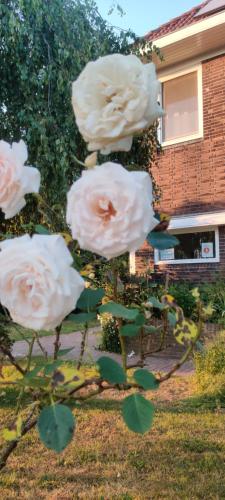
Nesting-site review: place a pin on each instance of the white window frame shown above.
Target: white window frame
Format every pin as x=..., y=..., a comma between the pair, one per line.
x=200, y=133
x=192, y=261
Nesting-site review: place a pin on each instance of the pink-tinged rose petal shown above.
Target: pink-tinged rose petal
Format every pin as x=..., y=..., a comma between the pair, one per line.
x=38, y=285
x=110, y=210
x=16, y=180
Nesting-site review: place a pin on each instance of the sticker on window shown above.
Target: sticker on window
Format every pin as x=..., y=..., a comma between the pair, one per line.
x=167, y=254
x=207, y=250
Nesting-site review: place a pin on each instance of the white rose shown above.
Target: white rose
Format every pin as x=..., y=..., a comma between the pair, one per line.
x=114, y=98
x=37, y=283
x=109, y=210
x=15, y=179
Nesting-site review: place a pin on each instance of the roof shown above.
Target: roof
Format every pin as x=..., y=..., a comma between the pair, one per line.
x=189, y=17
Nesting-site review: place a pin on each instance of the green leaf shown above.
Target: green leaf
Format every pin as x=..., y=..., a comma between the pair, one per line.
x=137, y=413
x=56, y=426
x=41, y=229
x=140, y=319
x=146, y=379
x=90, y=298
x=111, y=371
x=34, y=372
x=156, y=303
x=129, y=330
x=172, y=318
x=82, y=317
x=51, y=367
x=35, y=382
x=162, y=240
x=119, y=311
x=62, y=352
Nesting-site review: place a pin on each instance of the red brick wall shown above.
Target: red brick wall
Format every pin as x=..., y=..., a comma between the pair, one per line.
x=191, y=175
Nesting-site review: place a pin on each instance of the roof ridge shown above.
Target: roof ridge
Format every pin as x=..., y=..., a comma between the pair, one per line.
x=192, y=11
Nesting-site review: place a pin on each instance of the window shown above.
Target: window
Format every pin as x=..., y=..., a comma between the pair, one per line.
x=196, y=245
x=182, y=103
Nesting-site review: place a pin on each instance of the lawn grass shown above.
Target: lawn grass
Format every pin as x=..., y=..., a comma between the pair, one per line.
x=17, y=332
x=182, y=457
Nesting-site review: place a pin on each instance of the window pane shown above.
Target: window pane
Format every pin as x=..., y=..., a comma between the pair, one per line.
x=180, y=102
x=192, y=246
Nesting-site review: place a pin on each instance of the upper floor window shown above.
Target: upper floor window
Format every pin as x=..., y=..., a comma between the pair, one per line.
x=182, y=103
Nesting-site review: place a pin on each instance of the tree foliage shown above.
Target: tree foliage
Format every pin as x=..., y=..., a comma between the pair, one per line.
x=44, y=45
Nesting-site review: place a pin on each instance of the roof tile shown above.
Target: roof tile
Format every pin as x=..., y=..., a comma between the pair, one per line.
x=178, y=22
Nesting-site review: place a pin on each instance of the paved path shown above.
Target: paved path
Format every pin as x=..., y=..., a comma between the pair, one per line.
x=155, y=363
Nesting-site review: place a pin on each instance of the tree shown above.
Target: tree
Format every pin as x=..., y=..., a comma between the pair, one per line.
x=44, y=45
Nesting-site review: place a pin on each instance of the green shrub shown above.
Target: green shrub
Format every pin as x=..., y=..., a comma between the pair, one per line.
x=210, y=366
x=214, y=293
x=182, y=294
x=5, y=340
x=110, y=335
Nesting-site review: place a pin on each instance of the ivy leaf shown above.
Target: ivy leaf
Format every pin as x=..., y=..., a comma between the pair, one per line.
x=111, y=371
x=162, y=241
x=56, y=425
x=146, y=379
x=90, y=298
x=82, y=317
x=129, y=330
x=119, y=311
x=137, y=413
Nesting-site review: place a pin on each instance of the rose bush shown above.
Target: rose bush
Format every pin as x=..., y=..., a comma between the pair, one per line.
x=110, y=210
x=37, y=283
x=114, y=98
x=16, y=180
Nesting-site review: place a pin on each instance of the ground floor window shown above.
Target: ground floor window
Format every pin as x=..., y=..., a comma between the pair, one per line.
x=195, y=245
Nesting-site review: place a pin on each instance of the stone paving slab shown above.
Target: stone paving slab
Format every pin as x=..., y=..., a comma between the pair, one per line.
x=162, y=363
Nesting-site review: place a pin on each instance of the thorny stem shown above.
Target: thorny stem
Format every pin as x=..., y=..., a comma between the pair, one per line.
x=123, y=349
x=178, y=364
x=44, y=352
x=57, y=343
x=82, y=347
x=20, y=397
x=29, y=424
x=31, y=345
x=8, y=353
x=119, y=321
x=142, y=354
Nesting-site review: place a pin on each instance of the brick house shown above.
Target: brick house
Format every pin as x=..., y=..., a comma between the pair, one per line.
x=191, y=169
